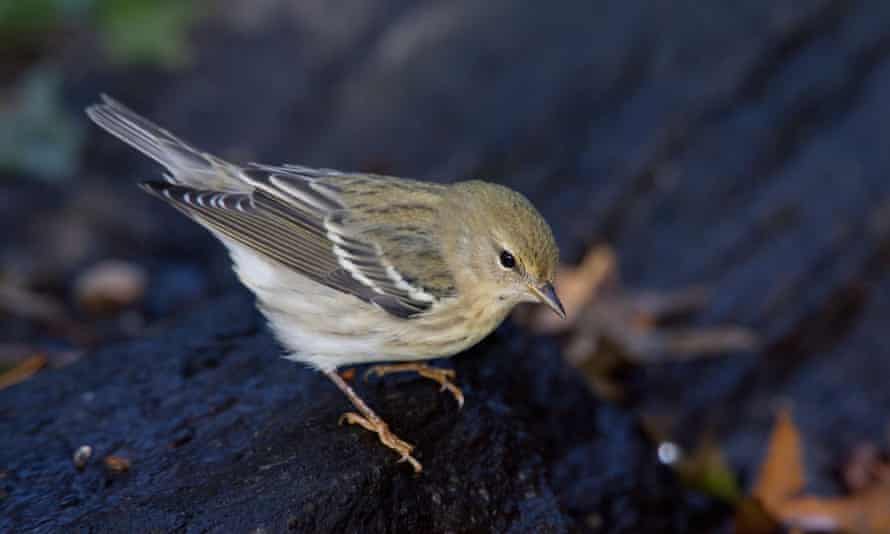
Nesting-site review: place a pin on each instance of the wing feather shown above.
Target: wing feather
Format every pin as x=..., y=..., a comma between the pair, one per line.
x=300, y=222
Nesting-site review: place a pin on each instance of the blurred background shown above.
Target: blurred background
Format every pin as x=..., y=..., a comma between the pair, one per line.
x=715, y=174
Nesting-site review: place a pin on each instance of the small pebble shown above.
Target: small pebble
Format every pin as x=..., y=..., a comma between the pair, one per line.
x=669, y=453
x=109, y=286
x=82, y=456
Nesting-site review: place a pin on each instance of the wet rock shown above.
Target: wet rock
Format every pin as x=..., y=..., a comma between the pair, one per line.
x=82, y=456
x=531, y=451
x=173, y=288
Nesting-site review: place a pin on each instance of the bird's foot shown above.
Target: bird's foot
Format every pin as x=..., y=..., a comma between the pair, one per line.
x=442, y=376
x=386, y=436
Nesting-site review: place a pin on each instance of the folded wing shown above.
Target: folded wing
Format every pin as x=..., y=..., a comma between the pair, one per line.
x=299, y=220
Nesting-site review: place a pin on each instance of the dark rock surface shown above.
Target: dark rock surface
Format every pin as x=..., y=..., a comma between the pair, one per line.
x=223, y=436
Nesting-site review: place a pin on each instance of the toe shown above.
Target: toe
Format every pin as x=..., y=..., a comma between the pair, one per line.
x=414, y=463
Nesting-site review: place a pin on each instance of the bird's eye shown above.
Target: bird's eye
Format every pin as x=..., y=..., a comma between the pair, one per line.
x=507, y=260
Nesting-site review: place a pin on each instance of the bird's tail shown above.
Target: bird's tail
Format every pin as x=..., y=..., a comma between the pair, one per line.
x=186, y=165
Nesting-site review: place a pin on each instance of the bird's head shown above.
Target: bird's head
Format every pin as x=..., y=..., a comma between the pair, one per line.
x=503, y=245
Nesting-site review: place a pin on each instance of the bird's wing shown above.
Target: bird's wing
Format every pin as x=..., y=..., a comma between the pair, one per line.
x=313, y=222
x=185, y=164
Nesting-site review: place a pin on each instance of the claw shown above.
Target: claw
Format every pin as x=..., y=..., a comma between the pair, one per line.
x=455, y=392
x=386, y=437
x=414, y=463
x=442, y=376
x=371, y=422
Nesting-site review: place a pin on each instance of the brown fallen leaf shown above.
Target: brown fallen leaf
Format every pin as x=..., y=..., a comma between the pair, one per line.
x=576, y=287
x=597, y=308
x=24, y=370
x=750, y=517
x=781, y=478
x=12, y=354
x=862, y=468
x=348, y=374
x=117, y=464
x=20, y=301
x=781, y=474
x=606, y=328
x=688, y=343
x=866, y=512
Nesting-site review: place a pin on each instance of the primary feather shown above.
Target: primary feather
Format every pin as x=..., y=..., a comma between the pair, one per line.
x=317, y=222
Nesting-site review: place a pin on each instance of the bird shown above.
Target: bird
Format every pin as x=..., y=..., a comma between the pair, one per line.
x=350, y=268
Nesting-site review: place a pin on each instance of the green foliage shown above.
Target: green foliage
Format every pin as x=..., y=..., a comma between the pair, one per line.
x=38, y=136
x=131, y=31
x=22, y=22
x=151, y=31
x=707, y=470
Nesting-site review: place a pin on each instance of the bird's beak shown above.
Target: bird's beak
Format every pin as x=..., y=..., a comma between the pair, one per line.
x=547, y=295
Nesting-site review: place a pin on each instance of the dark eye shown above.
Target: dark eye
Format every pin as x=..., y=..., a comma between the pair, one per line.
x=507, y=260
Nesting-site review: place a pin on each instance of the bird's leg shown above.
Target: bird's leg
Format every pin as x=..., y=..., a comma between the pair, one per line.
x=372, y=422
x=442, y=376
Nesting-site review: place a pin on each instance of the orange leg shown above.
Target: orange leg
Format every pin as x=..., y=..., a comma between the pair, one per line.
x=371, y=421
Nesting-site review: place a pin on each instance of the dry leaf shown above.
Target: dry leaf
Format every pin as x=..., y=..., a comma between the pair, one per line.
x=117, y=464
x=862, y=469
x=348, y=374
x=607, y=327
x=781, y=473
x=597, y=307
x=22, y=302
x=751, y=518
x=867, y=512
x=12, y=354
x=576, y=287
x=689, y=343
x=781, y=477
x=24, y=370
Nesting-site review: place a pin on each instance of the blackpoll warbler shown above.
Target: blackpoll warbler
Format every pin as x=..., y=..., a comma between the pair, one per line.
x=355, y=268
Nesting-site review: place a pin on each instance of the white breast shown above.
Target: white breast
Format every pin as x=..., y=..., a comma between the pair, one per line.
x=326, y=328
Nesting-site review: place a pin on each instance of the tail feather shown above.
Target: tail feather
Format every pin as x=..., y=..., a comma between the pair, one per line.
x=186, y=164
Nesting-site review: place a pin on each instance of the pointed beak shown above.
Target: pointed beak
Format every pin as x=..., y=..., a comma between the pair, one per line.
x=547, y=295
